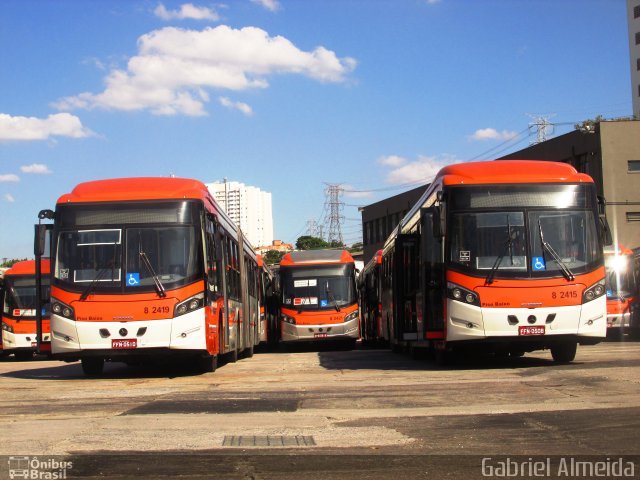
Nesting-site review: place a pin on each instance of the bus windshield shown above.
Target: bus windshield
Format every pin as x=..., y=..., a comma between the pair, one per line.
x=318, y=287
x=20, y=297
x=499, y=242
x=135, y=256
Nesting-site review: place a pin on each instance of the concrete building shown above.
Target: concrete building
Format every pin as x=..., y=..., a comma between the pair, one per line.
x=610, y=154
x=380, y=218
x=277, y=245
x=633, y=15
x=249, y=207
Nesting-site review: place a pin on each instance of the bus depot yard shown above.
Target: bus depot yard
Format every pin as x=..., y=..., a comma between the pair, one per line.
x=321, y=412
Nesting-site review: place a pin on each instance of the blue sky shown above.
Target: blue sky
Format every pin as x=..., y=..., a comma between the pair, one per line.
x=289, y=95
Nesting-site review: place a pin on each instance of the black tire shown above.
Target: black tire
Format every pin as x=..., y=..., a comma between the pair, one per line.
x=442, y=357
x=232, y=356
x=516, y=353
x=23, y=356
x=92, y=366
x=206, y=363
x=564, y=352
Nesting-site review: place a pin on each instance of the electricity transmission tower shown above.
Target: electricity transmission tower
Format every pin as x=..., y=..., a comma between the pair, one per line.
x=543, y=126
x=314, y=229
x=333, y=207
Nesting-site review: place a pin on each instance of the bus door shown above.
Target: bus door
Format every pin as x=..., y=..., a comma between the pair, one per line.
x=433, y=283
x=407, y=273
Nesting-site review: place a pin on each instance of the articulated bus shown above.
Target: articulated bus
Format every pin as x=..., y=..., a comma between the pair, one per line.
x=19, y=305
x=623, y=297
x=369, y=283
x=318, y=296
x=499, y=256
x=269, y=327
x=148, y=267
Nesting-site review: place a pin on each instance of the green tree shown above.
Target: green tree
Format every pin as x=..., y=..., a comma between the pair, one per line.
x=271, y=257
x=9, y=263
x=307, y=242
x=356, y=247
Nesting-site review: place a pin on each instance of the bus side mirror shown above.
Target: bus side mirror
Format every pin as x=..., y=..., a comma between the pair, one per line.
x=40, y=240
x=605, y=231
x=607, y=239
x=438, y=222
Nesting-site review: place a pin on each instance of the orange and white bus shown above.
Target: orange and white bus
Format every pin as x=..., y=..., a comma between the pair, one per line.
x=501, y=256
x=318, y=297
x=623, y=301
x=369, y=283
x=145, y=268
x=19, y=303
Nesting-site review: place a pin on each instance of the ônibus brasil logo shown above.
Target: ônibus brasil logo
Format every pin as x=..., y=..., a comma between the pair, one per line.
x=38, y=468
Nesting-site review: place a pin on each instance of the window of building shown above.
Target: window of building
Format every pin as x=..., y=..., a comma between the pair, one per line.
x=636, y=11
x=633, y=216
x=637, y=38
x=633, y=166
x=637, y=63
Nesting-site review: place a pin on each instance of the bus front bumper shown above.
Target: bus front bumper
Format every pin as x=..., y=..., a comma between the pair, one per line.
x=309, y=333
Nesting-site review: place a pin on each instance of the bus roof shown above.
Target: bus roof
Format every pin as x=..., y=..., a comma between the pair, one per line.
x=27, y=267
x=510, y=171
x=136, y=188
x=308, y=257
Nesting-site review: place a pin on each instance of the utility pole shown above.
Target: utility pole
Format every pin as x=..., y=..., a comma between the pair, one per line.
x=543, y=127
x=334, y=207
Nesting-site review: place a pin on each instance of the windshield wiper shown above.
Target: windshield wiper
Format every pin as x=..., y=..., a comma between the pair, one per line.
x=94, y=283
x=546, y=246
x=508, y=246
x=154, y=275
x=332, y=298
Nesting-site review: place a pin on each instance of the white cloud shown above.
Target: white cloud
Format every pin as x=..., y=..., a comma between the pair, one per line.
x=186, y=11
x=492, y=134
x=432, y=2
x=9, y=198
x=9, y=177
x=271, y=5
x=243, y=107
x=37, y=168
x=32, y=128
x=421, y=170
x=174, y=67
x=392, y=161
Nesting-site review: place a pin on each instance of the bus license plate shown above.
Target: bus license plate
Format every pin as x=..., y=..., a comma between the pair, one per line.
x=525, y=330
x=319, y=335
x=125, y=343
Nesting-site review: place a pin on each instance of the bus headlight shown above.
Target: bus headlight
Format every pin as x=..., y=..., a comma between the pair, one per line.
x=456, y=292
x=189, y=305
x=62, y=309
x=7, y=328
x=594, y=291
x=352, y=316
x=288, y=319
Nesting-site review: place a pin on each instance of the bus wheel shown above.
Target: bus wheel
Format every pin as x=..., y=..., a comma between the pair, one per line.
x=232, y=356
x=207, y=363
x=24, y=356
x=92, y=365
x=248, y=352
x=442, y=357
x=564, y=352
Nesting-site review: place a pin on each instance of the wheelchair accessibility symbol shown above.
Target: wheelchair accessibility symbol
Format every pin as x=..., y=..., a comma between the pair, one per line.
x=133, y=279
x=538, y=264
